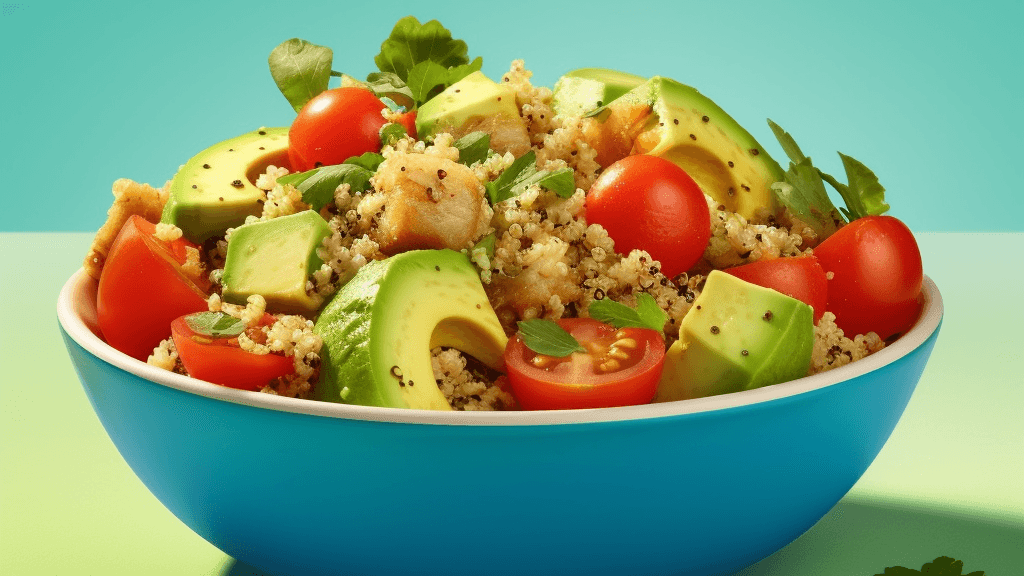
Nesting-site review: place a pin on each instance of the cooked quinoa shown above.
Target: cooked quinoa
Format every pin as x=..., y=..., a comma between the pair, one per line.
x=547, y=262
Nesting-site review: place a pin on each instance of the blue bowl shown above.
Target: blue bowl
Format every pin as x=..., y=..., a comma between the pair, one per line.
x=296, y=487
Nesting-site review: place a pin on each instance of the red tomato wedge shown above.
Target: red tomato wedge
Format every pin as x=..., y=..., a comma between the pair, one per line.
x=220, y=360
x=800, y=277
x=876, y=276
x=622, y=367
x=648, y=203
x=142, y=289
x=334, y=126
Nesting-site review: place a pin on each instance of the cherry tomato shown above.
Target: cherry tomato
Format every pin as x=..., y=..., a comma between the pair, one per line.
x=142, y=288
x=334, y=126
x=222, y=361
x=800, y=277
x=408, y=121
x=649, y=203
x=620, y=368
x=876, y=276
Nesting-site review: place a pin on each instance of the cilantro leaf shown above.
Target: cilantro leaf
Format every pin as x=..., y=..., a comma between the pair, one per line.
x=300, y=69
x=646, y=315
x=473, y=147
x=548, y=338
x=318, y=185
x=215, y=324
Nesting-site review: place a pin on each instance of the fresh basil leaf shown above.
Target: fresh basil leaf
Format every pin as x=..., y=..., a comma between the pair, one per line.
x=215, y=324
x=650, y=313
x=548, y=338
x=389, y=85
x=368, y=160
x=391, y=133
x=456, y=73
x=500, y=189
x=411, y=43
x=424, y=77
x=614, y=313
x=318, y=185
x=864, y=187
x=473, y=147
x=562, y=181
x=301, y=70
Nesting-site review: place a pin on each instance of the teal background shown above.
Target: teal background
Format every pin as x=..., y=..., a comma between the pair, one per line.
x=922, y=92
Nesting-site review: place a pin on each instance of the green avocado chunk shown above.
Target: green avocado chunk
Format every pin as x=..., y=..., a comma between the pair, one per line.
x=215, y=190
x=274, y=258
x=378, y=330
x=687, y=128
x=584, y=90
x=737, y=336
x=476, y=103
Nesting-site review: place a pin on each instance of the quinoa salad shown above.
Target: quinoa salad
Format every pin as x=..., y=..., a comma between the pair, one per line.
x=432, y=238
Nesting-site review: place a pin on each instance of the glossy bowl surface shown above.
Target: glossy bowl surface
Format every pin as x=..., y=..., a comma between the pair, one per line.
x=297, y=488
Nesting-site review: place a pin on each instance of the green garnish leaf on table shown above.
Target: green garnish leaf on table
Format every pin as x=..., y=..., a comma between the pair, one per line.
x=803, y=190
x=941, y=566
x=317, y=186
x=523, y=173
x=548, y=338
x=647, y=313
x=300, y=69
x=424, y=57
x=473, y=147
x=215, y=324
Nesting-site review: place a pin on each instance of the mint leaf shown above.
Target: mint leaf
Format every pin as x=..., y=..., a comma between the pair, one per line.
x=318, y=185
x=411, y=43
x=389, y=85
x=300, y=69
x=424, y=77
x=646, y=315
x=215, y=324
x=548, y=338
x=650, y=313
x=473, y=147
x=391, y=133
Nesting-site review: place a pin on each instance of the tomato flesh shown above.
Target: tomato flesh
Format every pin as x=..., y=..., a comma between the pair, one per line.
x=334, y=126
x=800, y=277
x=142, y=288
x=588, y=380
x=876, y=276
x=649, y=203
x=222, y=361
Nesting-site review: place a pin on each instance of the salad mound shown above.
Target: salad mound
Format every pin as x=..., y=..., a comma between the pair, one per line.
x=431, y=238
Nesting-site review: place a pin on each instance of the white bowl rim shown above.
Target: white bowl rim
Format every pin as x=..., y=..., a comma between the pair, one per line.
x=80, y=288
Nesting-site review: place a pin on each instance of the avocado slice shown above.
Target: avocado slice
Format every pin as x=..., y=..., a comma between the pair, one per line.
x=584, y=90
x=378, y=330
x=665, y=118
x=737, y=336
x=274, y=258
x=476, y=103
x=215, y=190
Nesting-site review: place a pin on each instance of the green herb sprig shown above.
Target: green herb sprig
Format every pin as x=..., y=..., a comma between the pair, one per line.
x=215, y=324
x=548, y=338
x=317, y=186
x=523, y=173
x=647, y=313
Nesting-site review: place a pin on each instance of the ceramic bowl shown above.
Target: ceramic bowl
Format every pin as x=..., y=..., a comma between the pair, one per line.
x=295, y=487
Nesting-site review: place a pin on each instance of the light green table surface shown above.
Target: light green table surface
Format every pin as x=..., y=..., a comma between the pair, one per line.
x=950, y=481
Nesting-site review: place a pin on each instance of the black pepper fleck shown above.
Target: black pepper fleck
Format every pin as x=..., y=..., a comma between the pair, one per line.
x=706, y=119
x=194, y=187
x=403, y=168
x=744, y=352
x=236, y=183
x=207, y=166
x=262, y=148
x=599, y=294
x=731, y=164
x=438, y=268
x=768, y=316
x=263, y=132
x=715, y=330
x=693, y=136
x=396, y=371
x=675, y=121
x=441, y=174
x=755, y=151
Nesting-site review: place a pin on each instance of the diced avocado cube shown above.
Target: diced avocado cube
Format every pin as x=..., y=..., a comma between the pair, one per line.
x=737, y=336
x=274, y=258
x=582, y=91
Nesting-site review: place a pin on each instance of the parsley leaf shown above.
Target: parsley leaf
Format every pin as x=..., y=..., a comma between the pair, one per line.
x=548, y=338
x=941, y=566
x=300, y=69
x=646, y=315
x=803, y=191
x=473, y=147
x=523, y=173
x=215, y=324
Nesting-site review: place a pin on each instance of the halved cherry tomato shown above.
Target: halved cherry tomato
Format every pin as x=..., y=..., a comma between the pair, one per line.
x=648, y=203
x=222, y=361
x=334, y=126
x=621, y=368
x=142, y=288
x=800, y=277
x=876, y=276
